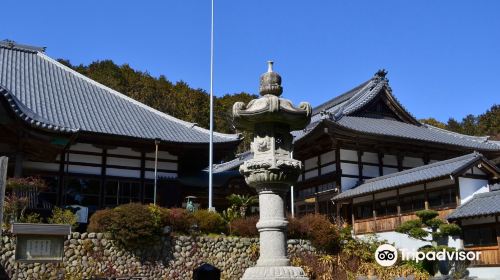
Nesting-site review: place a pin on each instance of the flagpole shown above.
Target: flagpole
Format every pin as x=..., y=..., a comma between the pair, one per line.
x=211, y=148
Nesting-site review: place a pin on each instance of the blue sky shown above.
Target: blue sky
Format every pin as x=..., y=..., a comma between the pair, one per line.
x=443, y=57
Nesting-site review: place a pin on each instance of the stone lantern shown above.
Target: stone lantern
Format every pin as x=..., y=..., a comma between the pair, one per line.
x=272, y=170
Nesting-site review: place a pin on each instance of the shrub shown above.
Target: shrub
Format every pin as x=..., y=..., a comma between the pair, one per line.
x=179, y=219
x=62, y=216
x=133, y=226
x=245, y=227
x=24, y=184
x=32, y=218
x=323, y=234
x=100, y=221
x=209, y=221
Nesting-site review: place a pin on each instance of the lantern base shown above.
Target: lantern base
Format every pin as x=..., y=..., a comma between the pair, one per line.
x=274, y=273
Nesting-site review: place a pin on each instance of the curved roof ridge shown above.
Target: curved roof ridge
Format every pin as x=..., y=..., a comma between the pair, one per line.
x=339, y=98
x=30, y=117
x=133, y=101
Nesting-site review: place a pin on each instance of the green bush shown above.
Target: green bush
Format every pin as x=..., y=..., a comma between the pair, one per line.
x=134, y=226
x=245, y=227
x=62, y=216
x=426, y=215
x=101, y=221
x=209, y=221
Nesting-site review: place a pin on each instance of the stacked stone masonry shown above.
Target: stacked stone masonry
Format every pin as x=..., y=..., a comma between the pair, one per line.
x=90, y=255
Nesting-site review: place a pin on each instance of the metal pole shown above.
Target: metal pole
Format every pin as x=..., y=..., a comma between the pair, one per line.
x=157, y=141
x=292, y=202
x=211, y=140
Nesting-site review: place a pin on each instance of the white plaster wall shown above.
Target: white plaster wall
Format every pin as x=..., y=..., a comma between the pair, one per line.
x=162, y=155
x=327, y=157
x=370, y=171
x=412, y=162
x=328, y=169
x=123, y=162
x=349, y=168
x=311, y=163
x=469, y=187
x=485, y=273
x=125, y=151
x=389, y=170
x=162, y=165
x=310, y=174
x=123, y=172
x=369, y=157
x=83, y=169
x=348, y=155
x=390, y=160
x=85, y=158
x=84, y=147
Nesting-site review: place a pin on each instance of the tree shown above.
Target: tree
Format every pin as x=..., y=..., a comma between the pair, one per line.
x=428, y=227
x=242, y=202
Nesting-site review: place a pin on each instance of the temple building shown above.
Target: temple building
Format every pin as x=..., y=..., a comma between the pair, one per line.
x=93, y=145
x=371, y=164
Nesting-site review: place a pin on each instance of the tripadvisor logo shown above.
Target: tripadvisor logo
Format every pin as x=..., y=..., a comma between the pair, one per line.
x=387, y=255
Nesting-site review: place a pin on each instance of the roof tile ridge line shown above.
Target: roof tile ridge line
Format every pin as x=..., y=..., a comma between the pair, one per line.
x=20, y=110
x=360, y=86
x=123, y=96
x=11, y=45
x=369, y=95
x=423, y=167
x=339, y=109
x=480, y=139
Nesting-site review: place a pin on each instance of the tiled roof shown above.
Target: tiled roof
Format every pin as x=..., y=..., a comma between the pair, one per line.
x=232, y=164
x=481, y=204
x=48, y=95
x=428, y=133
x=412, y=176
x=341, y=110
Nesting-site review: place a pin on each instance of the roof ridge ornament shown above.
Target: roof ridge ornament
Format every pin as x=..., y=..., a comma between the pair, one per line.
x=381, y=73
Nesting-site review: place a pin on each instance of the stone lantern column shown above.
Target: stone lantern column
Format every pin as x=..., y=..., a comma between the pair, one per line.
x=271, y=171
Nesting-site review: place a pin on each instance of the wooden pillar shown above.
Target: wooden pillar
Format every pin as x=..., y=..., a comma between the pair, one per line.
x=457, y=191
x=338, y=168
x=360, y=166
x=18, y=163
x=103, y=177
x=400, y=161
x=398, y=207
x=426, y=197
x=60, y=183
x=380, y=164
x=374, y=213
x=4, y=162
x=352, y=216
x=497, y=229
x=143, y=175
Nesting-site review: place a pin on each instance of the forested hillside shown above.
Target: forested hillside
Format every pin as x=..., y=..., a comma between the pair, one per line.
x=486, y=124
x=181, y=101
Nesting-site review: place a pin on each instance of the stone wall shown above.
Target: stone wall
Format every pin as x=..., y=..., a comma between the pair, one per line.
x=95, y=255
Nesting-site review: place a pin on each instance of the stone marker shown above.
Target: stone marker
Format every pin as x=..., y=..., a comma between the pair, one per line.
x=272, y=170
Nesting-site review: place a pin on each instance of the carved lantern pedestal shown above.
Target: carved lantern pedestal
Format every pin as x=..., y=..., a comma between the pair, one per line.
x=271, y=171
